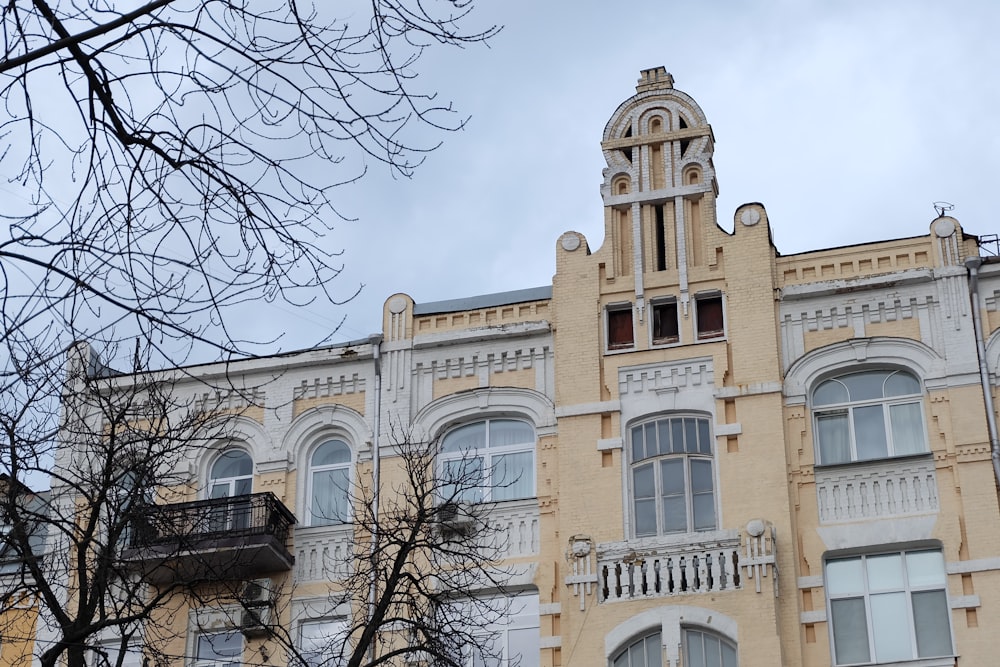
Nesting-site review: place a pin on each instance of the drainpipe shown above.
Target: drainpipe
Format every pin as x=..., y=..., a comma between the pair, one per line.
x=376, y=343
x=973, y=264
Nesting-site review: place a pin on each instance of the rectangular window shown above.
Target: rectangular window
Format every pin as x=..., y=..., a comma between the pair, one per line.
x=511, y=634
x=665, y=327
x=708, y=314
x=219, y=649
x=888, y=607
x=324, y=642
x=620, y=333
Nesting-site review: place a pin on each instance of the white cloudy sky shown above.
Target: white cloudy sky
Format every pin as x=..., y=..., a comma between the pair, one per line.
x=847, y=119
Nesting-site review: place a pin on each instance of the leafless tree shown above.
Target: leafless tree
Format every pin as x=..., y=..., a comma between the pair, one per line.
x=175, y=158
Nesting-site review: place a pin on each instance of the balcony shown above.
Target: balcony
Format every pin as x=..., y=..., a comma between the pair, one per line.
x=889, y=488
x=218, y=538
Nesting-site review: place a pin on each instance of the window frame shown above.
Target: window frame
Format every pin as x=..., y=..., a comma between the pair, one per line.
x=688, y=633
x=653, y=638
x=231, y=482
x=313, y=519
x=655, y=307
x=850, y=408
x=704, y=451
x=488, y=453
x=711, y=334
x=326, y=658
x=515, y=612
x=612, y=311
x=867, y=592
x=198, y=662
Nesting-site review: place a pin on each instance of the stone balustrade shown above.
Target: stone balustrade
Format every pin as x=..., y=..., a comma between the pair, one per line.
x=877, y=490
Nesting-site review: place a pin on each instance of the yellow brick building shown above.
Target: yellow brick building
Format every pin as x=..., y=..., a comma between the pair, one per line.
x=723, y=455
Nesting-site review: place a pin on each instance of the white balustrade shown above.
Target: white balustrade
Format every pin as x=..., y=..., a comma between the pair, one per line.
x=877, y=490
x=323, y=554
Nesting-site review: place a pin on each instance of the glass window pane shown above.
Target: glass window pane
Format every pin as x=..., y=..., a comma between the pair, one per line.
x=891, y=627
x=649, y=437
x=243, y=486
x=728, y=656
x=695, y=649
x=672, y=476
x=925, y=568
x=513, y=476
x=830, y=392
x=645, y=517
x=653, y=651
x=713, y=652
x=329, y=497
x=219, y=646
x=663, y=432
x=642, y=481
x=701, y=475
x=907, y=429
x=677, y=436
x=902, y=383
x=865, y=386
x=850, y=630
x=703, y=508
x=845, y=576
x=869, y=432
x=505, y=432
x=331, y=452
x=930, y=621
x=637, y=654
x=834, y=438
x=885, y=573
x=465, y=438
x=463, y=480
x=638, y=451
x=674, y=514
x=233, y=463
x=704, y=439
x=691, y=435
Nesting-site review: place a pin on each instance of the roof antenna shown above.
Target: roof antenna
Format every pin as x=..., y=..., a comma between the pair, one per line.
x=943, y=207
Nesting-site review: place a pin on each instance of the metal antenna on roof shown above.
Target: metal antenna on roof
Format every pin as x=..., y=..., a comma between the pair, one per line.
x=943, y=207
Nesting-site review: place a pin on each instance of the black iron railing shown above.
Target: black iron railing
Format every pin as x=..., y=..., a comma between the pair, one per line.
x=215, y=518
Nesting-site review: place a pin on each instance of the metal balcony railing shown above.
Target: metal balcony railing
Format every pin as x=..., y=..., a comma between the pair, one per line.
x=230, y=517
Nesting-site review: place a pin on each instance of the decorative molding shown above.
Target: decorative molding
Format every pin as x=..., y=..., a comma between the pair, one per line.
x=969, y=566
x=550, y=642
x=808, y=617
x=672, y=376
x=964, y=602
x=877, y=490
x=814, y=581
x=583, y=409
x=607, y=444
x=550, y=609
x=329, y=386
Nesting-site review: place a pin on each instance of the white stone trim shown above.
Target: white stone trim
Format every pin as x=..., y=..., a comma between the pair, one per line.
x=582, y=409
x=816, y=616
x=906, y=353
x=550, y=642
x=838, y=286
x=877, y=533
x=964, y=602
x=437, y=416
x=814, y=581
x=505, y=332
x=969, y=566
x=607, y=444
x=550, y=609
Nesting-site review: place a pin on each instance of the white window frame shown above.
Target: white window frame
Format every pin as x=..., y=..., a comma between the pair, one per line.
x=850, y=408
x=312, y=517
x=641, y=455
x=488, y=453
x=514, y=613
x=866, y=593
x=650, y=641
x=231, y=482
x=236, y=662
x=328, y=656
x=701, y=634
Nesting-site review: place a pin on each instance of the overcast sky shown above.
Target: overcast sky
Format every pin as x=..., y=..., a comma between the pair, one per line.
x=847, y=119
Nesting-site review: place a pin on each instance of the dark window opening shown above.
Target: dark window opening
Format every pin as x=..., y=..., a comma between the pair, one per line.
x=683, y=123
x=661, y=239
x=665, y=328
x=620, y=328
x=708, y=310
x=684, y=146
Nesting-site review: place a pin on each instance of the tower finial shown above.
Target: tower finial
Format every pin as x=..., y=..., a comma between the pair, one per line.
x=654, y=78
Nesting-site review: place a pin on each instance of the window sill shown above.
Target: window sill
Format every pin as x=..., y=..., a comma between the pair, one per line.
x=946, y=661
x=332, y=529
x=888, y=460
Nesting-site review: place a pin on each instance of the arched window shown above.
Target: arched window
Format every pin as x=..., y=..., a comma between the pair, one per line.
x=673, y=484
x=489, y=460
x=868, y=415
x=231, y=476
x=706, y=649
x=642, y=652
x=329, y=484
